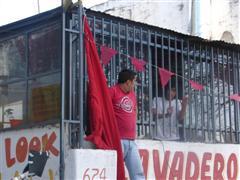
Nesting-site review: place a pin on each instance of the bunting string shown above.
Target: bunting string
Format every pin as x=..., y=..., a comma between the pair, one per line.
x=139, y=65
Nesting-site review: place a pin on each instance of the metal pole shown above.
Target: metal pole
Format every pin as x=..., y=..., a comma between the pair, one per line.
x=81, y=72
x=38, y=6
x=62, y=165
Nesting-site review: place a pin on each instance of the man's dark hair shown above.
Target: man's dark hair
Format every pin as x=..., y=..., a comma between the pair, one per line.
x=125, y=75
x=169, y=87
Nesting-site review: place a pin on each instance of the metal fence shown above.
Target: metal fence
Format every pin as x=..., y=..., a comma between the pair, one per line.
x=211, y=116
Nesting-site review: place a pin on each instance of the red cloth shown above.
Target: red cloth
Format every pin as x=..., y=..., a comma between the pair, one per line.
x=165, y=76
x=106, y=54
x=104, y=130
x=125, y=108
x=195, y=85
x=138, y=64
x=235, y=97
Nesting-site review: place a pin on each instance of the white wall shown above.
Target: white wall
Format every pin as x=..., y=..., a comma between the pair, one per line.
x=166, y=14
x=91, y=164
x=225, y=17
x=208, y=19
x=15, y=146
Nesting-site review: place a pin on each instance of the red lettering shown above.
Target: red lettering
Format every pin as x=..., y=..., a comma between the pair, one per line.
x=144, y=154
x=232, y=173
x=47, y=143
x=205, y=168
x=192, y=159
x=9, y=161
x=21, y=149
x=35, y=144
x=160, y=173
x=218, y=167
x=176, y=170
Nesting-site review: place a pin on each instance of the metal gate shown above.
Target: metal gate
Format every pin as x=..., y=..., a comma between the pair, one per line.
x=211, y=116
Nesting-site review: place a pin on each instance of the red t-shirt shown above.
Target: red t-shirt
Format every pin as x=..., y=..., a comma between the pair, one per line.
x=124, y=105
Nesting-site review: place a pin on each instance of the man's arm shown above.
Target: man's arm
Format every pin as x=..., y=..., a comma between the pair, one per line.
x=182, y=112
x=160, y=114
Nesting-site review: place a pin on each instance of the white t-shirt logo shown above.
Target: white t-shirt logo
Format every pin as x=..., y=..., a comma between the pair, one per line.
x=126, y=104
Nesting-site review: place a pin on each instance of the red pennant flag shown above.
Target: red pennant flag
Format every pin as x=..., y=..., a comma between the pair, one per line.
x=195, y=85
x=138, y=64
x=103, y=123
x=165, y=76
x=235, y=97
x=106, y=54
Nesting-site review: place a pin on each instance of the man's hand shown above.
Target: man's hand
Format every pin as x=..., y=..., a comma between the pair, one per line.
x=169, y=111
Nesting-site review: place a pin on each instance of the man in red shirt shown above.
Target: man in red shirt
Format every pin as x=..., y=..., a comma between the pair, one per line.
x=125, y=108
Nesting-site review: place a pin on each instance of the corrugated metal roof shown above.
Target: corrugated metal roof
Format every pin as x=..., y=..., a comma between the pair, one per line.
x=17, y=26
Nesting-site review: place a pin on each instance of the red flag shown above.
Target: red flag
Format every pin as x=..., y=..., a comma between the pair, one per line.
x=235, y=97
x=195, y=85
x=104, y=130
x=106, y=54
x=165, y=76
x=138, y=64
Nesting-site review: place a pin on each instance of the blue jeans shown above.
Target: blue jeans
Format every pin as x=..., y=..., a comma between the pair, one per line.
x=132, y=159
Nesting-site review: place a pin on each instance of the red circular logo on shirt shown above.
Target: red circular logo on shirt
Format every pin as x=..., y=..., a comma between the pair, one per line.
x=126, y=104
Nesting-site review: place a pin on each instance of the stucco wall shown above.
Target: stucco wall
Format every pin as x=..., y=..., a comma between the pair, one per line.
x=209, y=19
x=225, y=18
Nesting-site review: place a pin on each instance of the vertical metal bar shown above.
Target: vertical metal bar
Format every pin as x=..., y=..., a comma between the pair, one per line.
x=207, y=94
x=163, y=89
x=156, y=81
x=127, y=46
x=127, y=39
x=111, y=45
x=213, y=97
x=201, y=92
x=111, y=33
x=178, y=124
x=229, y=102
x=205, y=97
x=150, y=89
x=102, y=30
x=142, y=84
x=189, y=89
x=219, y=106
x=134, y=42
x=170, y=83
x=62, y=142
x=85, y=81
x=81, y=74
x=134, y=55
x=237, y=90
x=194, y=125
x=114, y=70
x=224, y=102
x=234, y=65
x=183, y=85
x=94, y=27
x=70, y=74
x=103, y=40
x=72, y=102
x=190, y=76
x=26, y=109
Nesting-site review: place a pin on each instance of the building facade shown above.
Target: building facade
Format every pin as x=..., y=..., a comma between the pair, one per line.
x=209, y=19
